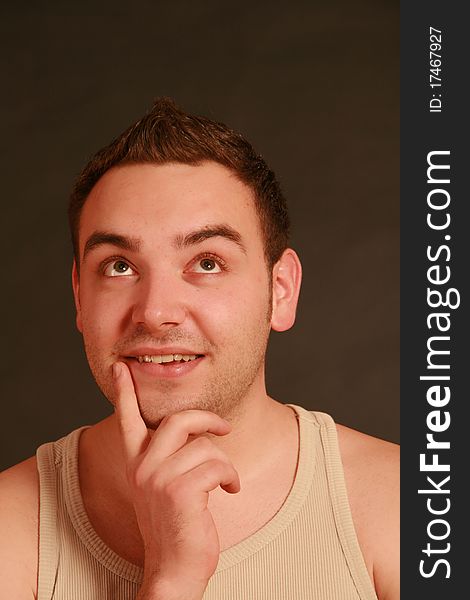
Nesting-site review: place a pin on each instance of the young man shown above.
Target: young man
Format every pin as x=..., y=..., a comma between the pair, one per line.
x=199, y=485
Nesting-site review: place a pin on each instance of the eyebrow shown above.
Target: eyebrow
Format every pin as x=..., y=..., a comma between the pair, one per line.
x=101, y=238
x=207, y=232
x=133, y=244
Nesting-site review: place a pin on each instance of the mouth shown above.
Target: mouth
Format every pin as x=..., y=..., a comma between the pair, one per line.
x=165, y=359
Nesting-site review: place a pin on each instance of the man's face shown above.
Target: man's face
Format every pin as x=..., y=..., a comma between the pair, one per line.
x=173, y=281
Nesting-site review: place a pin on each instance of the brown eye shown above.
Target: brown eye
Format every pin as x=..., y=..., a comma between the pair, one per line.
x=118, y=268
x=207, y=265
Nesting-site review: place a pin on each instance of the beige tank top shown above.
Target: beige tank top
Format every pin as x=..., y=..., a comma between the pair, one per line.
x=308, y=550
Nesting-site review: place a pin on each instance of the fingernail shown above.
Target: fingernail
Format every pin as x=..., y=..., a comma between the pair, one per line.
x=116, y=370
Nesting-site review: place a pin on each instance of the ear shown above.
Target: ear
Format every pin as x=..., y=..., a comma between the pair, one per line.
x=76, y=295
x=287, y=277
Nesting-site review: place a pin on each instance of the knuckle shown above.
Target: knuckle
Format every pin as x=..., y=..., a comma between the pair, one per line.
x=175, y=490
x=214, y=466
x=141, y=477
x=213, y=471
x=136, y=475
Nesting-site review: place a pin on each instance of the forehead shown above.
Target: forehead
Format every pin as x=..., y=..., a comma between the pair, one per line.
x=157, y=201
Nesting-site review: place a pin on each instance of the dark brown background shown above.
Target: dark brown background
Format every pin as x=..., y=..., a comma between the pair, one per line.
x=313, y=85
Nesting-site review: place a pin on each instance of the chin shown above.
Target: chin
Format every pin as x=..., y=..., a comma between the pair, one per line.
x=154, y=408
x=223, y=393
x=154, y=411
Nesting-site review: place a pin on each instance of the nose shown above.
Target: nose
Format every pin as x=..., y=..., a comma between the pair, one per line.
x=159, y=304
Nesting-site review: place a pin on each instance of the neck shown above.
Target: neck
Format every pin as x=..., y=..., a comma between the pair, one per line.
x=263, y=447
x=259, y=427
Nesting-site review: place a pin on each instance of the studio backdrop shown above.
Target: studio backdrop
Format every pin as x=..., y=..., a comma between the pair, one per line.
x=312, y=85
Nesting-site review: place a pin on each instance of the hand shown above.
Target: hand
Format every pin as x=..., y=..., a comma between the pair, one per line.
x=170, y=480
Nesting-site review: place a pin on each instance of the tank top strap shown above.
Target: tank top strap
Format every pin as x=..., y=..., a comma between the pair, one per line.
x=49, y=457
x=340, y=504
x=312, y=532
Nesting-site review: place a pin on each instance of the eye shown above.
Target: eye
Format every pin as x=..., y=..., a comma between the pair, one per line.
x=117, y=268
x=207, y=264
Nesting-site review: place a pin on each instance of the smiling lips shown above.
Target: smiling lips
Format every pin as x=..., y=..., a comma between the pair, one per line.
x=166, y=358
x=151, y=366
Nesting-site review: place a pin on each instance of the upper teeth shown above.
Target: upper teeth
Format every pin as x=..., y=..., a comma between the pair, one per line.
x=165, y=358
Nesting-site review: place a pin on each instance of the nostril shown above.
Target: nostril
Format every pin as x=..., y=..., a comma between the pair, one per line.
x=158, y=318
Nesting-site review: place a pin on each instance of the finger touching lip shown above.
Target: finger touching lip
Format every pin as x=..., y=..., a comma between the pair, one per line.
x=170, y=366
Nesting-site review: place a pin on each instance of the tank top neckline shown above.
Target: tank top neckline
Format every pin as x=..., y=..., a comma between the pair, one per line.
x=229, y=557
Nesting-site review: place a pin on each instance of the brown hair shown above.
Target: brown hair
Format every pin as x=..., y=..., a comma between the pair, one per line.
x=167, y=134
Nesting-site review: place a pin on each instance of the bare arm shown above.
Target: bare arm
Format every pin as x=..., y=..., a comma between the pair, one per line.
x=19, y=531
x=371, y=468
x=387, y=548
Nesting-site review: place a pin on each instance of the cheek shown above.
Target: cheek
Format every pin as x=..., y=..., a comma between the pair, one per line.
x=232, y=313
x=101, y=316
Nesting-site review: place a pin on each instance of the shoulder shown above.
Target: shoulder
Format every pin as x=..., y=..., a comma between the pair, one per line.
x=372, y=474
x=19, y=508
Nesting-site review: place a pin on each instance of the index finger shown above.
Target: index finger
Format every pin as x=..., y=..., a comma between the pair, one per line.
x=133, y=430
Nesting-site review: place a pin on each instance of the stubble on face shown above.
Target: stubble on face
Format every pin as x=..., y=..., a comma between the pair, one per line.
x=233, y=336
x=230, y=374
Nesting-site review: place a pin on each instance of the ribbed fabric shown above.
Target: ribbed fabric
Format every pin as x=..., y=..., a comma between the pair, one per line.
x=308, y=550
